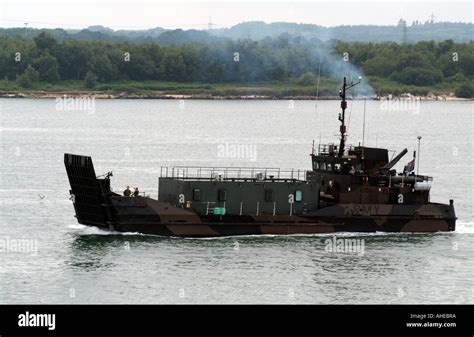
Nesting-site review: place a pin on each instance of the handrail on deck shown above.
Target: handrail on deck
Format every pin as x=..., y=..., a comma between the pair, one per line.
x=224, y=173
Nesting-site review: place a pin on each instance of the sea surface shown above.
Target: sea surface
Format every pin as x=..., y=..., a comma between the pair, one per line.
x=47, y=257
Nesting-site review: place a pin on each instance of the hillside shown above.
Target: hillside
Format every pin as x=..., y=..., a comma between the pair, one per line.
x=403, y=32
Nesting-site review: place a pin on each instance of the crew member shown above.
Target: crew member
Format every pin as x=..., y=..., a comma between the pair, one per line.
x=333, y=189
x=127, y=192
x=136, y=192
x=352, y=170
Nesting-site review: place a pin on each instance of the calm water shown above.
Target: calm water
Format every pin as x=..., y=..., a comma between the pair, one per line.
x=69, y=263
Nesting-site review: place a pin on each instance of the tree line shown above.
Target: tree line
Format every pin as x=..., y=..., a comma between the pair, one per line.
x=45, y=59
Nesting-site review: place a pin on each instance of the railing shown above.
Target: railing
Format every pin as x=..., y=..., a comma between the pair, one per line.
x=331, y=149
x=231, y=173
x=327, y=149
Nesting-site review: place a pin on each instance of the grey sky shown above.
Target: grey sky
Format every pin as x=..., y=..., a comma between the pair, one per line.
x=141, y=14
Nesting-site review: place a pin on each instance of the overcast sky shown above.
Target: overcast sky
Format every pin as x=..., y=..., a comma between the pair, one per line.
x=139, y=14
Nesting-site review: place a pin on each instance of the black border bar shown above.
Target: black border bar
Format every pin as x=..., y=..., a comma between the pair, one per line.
x=140, y=318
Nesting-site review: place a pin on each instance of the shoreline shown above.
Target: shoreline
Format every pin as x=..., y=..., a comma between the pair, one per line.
x=165, y=95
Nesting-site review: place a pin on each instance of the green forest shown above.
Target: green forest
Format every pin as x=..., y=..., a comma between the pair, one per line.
x=279, y=66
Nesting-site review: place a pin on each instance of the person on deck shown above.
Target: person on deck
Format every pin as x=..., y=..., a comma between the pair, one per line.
x=136, y=192
x=352, y=170
x=127, y=192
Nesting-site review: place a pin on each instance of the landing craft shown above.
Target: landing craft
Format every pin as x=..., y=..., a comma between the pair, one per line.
x=348, y=189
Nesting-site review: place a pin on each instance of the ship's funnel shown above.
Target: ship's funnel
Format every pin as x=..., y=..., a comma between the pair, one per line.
x=395, y=160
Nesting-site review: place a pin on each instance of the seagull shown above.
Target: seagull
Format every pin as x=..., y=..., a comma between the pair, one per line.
x=41, y=196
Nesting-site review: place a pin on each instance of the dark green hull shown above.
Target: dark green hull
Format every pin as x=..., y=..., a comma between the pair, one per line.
x=96, y=205
x=148, y=216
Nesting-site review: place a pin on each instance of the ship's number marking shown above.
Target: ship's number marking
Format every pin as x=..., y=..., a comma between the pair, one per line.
x=366, y=210
x=181, y=198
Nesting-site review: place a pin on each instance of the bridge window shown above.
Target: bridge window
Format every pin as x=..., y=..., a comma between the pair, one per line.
x=196, y=194
x=269, y=196
x=221, y=195
x=315, y=165
x=299, y=196
x=323, y=166
x=329, y=167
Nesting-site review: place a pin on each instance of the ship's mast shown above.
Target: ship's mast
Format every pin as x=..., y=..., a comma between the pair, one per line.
x=342, y=115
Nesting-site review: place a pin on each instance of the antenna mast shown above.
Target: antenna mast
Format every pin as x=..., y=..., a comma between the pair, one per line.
x=363, y=126
x=317, y=84
x=342, y=115
x=418, y=165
